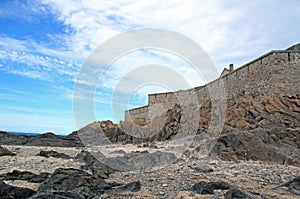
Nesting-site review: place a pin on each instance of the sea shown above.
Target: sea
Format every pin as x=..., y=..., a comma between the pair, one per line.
x=22, y=133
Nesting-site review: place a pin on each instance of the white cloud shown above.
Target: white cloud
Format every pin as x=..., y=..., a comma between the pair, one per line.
x=21, y=60
x=229, y=30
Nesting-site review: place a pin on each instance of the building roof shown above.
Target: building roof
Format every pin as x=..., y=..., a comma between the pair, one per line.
x=294, y=47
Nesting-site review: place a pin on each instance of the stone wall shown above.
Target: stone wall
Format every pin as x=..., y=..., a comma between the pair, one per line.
x=141, y=112
x=273, y=74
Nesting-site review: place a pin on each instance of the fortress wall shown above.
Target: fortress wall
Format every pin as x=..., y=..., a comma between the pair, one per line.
x=273, y=74
x=287, y=79
x=141, y=112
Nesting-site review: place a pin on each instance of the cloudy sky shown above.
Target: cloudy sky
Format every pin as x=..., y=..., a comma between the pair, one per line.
x=43, y=44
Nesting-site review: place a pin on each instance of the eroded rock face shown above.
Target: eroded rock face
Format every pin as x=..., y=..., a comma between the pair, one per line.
x=171, y=125
x=247, y=113
x=276, y=146
x=74, y=183
x=95, y=166
x=266, y=129
x=8, y=191
x=73, y=180
x=25, y=175
x=293, y=186
x=46, y=139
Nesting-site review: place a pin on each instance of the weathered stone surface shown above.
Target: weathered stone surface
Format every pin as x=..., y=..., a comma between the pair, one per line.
x=74, y=183
x=47, y=139
x=236, y=194
x=275, y=74
x=50, y=139
x=203, y=187
x=5, y=152
x=171, y=123
x=203, y=169
x=25, y=175
x=54, y=154
x=276, y=146
x=8, y=192
x=141, y=161
x=95, y=166
x=267, y=129
x=132, y=187
x=293, y=186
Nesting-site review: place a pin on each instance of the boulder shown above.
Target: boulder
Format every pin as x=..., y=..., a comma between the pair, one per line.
x=203, y=169
x=54, y=154
x=8, y=192
x=25, y=175
x=97, y=168
x=293, y=186
x=73, y=180
x=6, y=152
x=75, y=183
x=204, y=187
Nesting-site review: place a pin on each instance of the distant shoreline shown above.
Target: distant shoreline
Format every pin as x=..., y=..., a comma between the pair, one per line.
x=22, y=133
x=29, y=134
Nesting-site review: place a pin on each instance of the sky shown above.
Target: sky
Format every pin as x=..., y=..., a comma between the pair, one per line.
x=44, y=43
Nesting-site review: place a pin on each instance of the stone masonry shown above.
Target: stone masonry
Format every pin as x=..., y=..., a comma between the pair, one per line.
x=273, y=74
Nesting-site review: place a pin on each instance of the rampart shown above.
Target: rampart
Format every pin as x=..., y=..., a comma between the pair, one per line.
x=276, y=73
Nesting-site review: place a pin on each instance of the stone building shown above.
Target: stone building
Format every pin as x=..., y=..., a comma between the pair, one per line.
x=226, y=71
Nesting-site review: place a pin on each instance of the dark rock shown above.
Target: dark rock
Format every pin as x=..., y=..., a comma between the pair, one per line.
x=25, y=175
x=73, y=180
x=74, y=183
x=220, y=185
x=293, y=186
x=172, y=124
x=10, y=139
x=91, y=163
x=54, y=154
x=46, y=139
x=141, y=161
x=203, y=187
x=273, y=145
x=58, y=195
x=145, y=151
x=153, y=146
x=203, y=169
x=236, y=194
x=130, y=187
x=50, y=139
x=118, y=152
x=6, y=152
x=8, y=192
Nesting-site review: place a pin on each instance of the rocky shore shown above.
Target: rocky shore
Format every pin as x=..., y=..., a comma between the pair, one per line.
x=75, y=173
x=256, y=155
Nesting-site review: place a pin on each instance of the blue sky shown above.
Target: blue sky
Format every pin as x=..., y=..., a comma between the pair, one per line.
x=43, y=44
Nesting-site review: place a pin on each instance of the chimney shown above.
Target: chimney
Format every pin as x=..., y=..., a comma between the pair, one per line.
x=231, y=67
